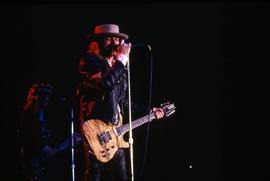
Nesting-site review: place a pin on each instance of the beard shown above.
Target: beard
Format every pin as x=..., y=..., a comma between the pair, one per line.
x=109, y=51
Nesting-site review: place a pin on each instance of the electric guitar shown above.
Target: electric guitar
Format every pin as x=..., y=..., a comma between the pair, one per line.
x=36, y=165
x=105, y=139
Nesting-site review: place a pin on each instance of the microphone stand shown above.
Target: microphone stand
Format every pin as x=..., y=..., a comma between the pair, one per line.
x=70, y=102
x=130, y=125
x=72, y=141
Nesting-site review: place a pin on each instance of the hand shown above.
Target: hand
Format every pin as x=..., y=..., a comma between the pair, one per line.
x=123, y=51
x=158, y=112
x=124, y=48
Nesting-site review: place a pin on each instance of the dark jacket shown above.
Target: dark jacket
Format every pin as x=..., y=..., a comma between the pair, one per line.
x=102, y=88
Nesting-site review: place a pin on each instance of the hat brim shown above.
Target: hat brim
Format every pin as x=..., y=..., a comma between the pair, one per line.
x=95, y=36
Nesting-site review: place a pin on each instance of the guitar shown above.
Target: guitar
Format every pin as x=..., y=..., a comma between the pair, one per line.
x=36, y=165
x=105, y=139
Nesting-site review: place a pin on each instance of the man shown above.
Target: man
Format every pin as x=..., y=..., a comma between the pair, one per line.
x=39, y=137
x=102, y=98
x=35, y=133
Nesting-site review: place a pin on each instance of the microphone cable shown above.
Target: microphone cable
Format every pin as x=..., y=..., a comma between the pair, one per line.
x=149, y=111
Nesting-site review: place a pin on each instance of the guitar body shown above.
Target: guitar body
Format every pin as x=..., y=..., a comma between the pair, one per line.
x=102, y=139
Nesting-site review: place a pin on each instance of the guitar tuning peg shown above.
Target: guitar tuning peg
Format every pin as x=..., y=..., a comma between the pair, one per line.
x=170, y=113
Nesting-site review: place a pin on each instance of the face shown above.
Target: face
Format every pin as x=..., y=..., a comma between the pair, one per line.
x=109, y=43
x=111, y=40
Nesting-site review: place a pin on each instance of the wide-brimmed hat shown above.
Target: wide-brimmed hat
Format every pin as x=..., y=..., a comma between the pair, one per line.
x=107, y=30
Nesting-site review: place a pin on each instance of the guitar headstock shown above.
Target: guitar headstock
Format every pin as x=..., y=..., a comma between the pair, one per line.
x=168, y=108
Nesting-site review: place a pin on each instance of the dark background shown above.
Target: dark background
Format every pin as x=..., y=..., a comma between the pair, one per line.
x=210, y=59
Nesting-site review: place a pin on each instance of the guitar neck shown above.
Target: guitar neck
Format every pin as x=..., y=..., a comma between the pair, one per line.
x=66, y=144
x=138, y=122
x=61, y=146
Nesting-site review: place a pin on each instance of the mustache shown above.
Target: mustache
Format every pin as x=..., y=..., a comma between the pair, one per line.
x=109, y=50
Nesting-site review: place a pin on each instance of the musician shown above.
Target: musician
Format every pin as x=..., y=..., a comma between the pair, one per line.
x=37, y=136
x=102, y=94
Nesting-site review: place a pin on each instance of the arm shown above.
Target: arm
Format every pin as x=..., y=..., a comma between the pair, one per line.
x=95, y=76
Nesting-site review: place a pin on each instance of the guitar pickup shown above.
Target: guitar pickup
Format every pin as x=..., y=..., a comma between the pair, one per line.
x=101, y=138
x=104, y=137
x=108, y=136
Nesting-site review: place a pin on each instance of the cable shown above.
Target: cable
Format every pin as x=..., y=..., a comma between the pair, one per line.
x=149, y=111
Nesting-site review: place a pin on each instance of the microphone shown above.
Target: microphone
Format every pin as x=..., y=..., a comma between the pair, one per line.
x=137, y=45
x=141, y=45
x=132, y=45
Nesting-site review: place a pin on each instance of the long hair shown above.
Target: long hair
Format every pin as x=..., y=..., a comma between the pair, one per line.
x=97, y=48
x=34, y=91
x=94, y=47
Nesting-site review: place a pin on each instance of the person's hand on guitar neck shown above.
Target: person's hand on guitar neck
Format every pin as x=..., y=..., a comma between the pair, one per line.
x=158, y=112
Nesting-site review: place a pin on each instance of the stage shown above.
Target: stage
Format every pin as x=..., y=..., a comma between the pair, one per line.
x=210, y=59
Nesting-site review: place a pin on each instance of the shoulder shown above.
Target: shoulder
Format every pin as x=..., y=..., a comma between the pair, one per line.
x=91, y=63
x=89, y=57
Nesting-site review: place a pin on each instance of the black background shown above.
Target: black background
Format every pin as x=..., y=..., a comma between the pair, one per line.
x=210, y=59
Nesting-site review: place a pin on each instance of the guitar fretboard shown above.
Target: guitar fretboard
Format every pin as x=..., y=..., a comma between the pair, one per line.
x=66, y=144
x=138, y=122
